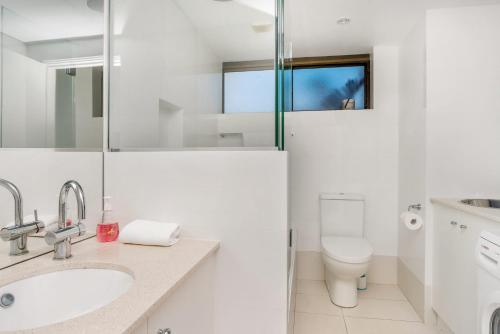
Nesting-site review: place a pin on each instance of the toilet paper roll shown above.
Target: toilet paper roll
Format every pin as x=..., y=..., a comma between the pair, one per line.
x=412, y=221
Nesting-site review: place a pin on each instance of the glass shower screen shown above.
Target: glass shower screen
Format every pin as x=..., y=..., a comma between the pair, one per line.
x=189, y=74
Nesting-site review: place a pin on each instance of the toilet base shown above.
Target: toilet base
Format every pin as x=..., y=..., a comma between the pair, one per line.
x=343, y=292
x=342, y=280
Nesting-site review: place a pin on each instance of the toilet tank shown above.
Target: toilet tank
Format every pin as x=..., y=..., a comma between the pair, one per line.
x=342, y=214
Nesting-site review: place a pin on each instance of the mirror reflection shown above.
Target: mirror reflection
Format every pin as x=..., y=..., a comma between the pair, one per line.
x=52, y=60
x=51, y=97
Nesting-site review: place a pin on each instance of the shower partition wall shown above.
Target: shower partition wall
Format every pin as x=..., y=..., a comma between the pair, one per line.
x=168, y=77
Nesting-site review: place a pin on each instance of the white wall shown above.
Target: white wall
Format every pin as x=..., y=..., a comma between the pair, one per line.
x=255, y=129
x=40, y=174
x=412, y=146
x=463, y=117
x=355, y=151
x=23, y=105
x=13, y=44
x=239, y=198
x=448, y=125
x=162, y=57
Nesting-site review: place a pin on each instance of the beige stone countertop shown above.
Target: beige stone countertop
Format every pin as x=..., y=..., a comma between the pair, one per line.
x=454, y=203
x=157, y=272
x=36, y=246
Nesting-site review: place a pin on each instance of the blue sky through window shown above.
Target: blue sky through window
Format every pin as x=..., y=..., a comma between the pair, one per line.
x=321, y=88
x=250, y=91
x=324, y=88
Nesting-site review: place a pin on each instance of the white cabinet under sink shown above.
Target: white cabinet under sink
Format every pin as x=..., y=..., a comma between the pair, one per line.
x=189, y=309
x=454, y=283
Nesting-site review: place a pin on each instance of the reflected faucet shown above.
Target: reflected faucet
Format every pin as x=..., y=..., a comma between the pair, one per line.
x=61, y=238
x=18, y=233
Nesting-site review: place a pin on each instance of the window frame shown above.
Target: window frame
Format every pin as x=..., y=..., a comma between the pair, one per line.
x=304, y=63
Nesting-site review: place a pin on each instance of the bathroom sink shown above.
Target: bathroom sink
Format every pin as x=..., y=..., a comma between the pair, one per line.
x=58, y=296
x=482, y=203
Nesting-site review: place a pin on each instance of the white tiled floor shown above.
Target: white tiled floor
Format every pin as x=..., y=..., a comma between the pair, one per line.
x=382, y=309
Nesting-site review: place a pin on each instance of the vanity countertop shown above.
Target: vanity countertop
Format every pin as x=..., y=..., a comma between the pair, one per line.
x=36, y=245
x=157, y=272
x=454, y=203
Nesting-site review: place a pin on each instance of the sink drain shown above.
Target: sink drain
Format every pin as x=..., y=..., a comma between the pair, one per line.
x=7, y=300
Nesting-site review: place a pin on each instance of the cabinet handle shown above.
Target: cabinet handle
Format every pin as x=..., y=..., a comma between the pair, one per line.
x=164, y=331
x=454, y=223
x=463, y=227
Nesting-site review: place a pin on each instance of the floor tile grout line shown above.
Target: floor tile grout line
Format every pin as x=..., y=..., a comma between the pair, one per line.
x=345, y=322
x=385, y=319
x=325, y=314
x=342, y=315
x=364, y=298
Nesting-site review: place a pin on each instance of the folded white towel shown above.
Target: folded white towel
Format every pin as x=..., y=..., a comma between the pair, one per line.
x=146, y=232
x=50, y=221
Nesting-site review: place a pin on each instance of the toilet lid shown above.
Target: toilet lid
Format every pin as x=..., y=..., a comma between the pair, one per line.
x=347, y=249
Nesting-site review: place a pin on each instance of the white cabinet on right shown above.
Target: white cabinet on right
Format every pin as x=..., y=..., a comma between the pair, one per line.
x=454, y=270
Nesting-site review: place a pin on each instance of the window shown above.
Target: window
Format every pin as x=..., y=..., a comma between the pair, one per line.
x=319, y=83
x=328, y=88
x=249, y=91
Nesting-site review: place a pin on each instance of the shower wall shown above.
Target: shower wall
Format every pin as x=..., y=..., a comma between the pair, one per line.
x=166, y=78
x=165, y=81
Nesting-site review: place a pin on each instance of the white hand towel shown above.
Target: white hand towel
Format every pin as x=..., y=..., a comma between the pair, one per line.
x=146, y=232
x=50, y=221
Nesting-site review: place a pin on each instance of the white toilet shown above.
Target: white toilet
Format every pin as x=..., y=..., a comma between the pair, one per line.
x=346, y=253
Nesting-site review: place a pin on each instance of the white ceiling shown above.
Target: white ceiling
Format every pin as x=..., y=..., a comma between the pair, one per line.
x=226, y=26
x=315, y=31
x=37, y=20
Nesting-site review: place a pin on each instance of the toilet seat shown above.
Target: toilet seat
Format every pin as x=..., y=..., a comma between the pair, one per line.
x=347, y=249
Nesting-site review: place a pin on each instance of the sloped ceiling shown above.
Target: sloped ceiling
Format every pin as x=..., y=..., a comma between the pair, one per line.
x=41, y=20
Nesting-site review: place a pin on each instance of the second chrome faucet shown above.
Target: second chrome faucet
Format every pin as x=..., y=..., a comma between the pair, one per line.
x=61, y=238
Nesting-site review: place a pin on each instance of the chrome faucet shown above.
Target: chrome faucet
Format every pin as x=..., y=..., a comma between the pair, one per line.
x=61, y=238
x=18, y=233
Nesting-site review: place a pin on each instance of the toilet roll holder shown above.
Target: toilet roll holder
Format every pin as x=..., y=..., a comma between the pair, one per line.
x=415, y=207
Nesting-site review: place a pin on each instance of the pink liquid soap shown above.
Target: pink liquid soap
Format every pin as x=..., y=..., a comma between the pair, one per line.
x=107, y=232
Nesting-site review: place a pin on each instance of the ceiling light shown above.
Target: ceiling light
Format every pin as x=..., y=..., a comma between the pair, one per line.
x=343, y=20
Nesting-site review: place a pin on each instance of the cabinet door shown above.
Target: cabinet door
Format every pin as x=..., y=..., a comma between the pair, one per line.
x=444, y=269
x=454, y=286
x=189, y=310
x=465, y=282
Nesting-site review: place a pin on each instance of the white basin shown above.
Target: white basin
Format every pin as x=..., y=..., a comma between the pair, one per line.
x=59, y=296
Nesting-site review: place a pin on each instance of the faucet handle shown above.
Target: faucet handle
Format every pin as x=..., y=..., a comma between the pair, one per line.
x=39, y=224
x=54, y=237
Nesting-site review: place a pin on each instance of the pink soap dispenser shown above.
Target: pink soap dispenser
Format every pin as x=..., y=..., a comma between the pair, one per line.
x=108, y=230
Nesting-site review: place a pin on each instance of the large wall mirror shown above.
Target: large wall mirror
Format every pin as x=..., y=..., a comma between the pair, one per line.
x=52, y=74
x=51, y=112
